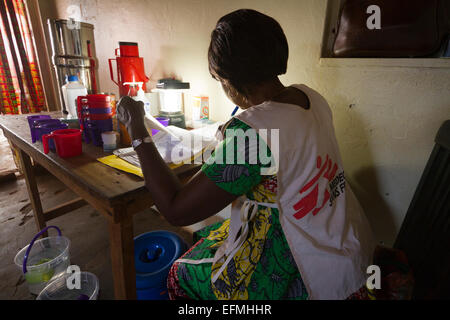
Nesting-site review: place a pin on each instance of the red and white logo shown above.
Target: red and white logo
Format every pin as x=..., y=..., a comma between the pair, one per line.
x=315, y=194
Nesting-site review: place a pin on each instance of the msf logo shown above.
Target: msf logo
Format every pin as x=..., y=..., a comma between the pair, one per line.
x=374, y=20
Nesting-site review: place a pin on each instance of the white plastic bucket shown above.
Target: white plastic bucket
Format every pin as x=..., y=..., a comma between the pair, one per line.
x=58, y=289
x=43, y=260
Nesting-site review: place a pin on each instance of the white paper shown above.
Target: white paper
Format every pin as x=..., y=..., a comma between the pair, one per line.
x=177, y=145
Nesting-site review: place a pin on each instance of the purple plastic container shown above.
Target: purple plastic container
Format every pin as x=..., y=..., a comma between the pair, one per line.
x=100, y=111
x=48, y=128
x=94, y=135
x=164, y=122
x=94, y=129
x=37, y=123
x=31, y=120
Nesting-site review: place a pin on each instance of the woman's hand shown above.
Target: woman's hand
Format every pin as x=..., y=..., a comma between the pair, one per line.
x=131, y=114
x=181, y=204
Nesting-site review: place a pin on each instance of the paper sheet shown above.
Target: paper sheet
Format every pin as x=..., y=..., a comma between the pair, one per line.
x=115, y=162
x=187, y=145
x=120, y=164
x=176, y=146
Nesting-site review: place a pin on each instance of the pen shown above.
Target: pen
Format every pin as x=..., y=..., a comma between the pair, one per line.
x=235, y=111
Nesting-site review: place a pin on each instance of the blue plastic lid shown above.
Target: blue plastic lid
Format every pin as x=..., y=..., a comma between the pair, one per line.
x=73, y=78
x=154, y=254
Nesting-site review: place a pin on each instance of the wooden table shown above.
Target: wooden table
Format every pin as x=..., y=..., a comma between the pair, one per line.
x=116, y=195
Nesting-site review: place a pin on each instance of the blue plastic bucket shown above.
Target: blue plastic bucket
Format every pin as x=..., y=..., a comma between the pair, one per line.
x=154, y=254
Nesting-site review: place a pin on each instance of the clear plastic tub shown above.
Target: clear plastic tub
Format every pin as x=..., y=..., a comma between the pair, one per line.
x=47, y=260
x=59, y=290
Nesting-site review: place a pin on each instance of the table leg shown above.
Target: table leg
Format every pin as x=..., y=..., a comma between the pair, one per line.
x=122, y=257
x=33, y=191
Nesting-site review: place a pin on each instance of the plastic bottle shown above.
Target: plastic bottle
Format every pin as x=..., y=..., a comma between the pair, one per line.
x=153, y=97
x=71, y=91
x=140, y=96
x=64, y=89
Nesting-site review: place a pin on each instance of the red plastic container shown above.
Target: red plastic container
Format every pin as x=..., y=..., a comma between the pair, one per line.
x=95, y=101
x=87, y=106
x=67, y=141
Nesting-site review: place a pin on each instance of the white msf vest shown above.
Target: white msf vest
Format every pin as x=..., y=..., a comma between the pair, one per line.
x=324, y=225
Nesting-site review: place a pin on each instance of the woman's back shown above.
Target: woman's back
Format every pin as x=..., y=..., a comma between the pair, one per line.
x=320, y=215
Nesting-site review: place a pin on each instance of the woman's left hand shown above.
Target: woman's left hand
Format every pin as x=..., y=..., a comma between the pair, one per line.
x=131, y=114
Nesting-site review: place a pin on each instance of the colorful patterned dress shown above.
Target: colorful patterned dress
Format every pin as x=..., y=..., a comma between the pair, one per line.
x=264, y=267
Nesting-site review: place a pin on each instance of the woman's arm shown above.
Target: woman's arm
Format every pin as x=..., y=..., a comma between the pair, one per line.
x=181, y=205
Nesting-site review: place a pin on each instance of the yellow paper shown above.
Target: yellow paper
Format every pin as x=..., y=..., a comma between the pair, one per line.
x=117, y=163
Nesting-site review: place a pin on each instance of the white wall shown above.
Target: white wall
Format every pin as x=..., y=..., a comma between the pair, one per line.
x=386, y=112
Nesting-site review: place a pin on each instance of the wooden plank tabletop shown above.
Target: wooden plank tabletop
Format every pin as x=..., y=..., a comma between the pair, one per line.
x=107, y=184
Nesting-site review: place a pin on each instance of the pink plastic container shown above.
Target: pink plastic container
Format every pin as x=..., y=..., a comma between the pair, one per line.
x=67, y=142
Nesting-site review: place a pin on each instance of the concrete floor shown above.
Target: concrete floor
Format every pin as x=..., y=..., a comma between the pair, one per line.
x=86, y=228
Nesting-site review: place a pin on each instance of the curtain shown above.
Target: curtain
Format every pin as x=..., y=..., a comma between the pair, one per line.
x=20, y=85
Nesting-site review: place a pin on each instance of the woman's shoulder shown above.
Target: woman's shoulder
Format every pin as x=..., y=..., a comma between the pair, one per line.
x=234, y=124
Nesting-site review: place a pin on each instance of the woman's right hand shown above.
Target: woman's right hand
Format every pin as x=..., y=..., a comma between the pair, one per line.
x=131, y=114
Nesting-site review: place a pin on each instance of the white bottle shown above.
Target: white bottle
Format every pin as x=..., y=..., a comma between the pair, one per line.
x=153, y=97
x=141, y=95
x=71, y=91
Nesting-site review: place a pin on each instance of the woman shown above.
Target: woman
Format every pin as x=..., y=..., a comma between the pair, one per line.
x=296, y=230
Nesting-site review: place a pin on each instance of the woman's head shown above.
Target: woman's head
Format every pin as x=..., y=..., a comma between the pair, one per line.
x=247, y=48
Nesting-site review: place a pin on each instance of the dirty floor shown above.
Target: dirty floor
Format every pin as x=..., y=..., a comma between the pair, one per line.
x=86, y=228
